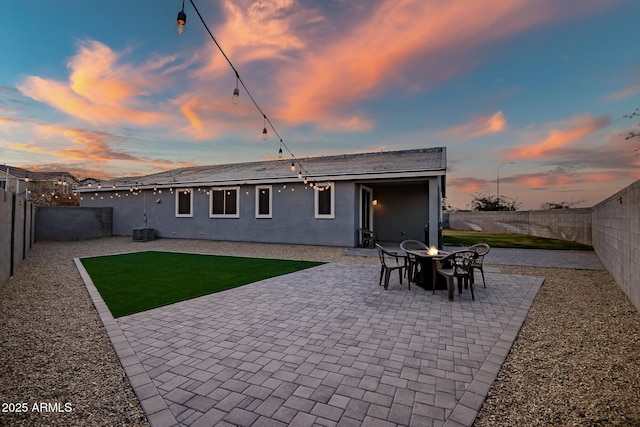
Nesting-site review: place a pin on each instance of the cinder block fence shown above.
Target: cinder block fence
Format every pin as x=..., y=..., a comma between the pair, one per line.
x=17, y=220
x=612, y=227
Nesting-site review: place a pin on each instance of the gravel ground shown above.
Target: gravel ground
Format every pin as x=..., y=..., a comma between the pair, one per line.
x=575, y=361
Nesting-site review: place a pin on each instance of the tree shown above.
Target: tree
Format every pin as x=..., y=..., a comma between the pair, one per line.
x=482, y=202
x=548, y=206
x=447, y=207
x=54, y=198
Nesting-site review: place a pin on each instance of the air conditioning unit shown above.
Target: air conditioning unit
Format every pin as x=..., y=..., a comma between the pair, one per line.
x=143, y=234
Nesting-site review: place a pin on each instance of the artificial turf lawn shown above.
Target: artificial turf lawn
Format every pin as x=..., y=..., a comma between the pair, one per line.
x=135, y=282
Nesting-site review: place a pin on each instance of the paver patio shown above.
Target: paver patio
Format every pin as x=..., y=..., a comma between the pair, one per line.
x=325, y=345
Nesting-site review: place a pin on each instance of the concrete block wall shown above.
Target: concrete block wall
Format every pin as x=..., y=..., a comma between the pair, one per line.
x=573, y=225
x=616, y=238
x=16, y=232
x=71, y=223
x=570, y=224
x=516, y=222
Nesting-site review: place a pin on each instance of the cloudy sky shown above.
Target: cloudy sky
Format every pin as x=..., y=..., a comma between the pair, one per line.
x=535, y=91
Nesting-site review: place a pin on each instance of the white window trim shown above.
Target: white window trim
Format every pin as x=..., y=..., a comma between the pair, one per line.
x=237, y=214
x=258, y=189
x=332, y=215
x=177, y=193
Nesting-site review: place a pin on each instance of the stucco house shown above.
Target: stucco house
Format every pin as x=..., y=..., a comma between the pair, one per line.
x=396, y=194
x=42, y=188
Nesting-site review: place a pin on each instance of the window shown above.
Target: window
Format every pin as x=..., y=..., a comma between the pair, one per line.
x=225, y=203
x=184, y=202
x=263, y=201
x=324, y=202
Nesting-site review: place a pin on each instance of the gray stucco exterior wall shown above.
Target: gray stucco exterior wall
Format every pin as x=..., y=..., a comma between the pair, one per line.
x=293, y=216
x=402, y=213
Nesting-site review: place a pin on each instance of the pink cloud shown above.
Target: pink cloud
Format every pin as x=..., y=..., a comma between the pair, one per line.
x=407, y=44
x=101, y=88
x=624, y=93
x=258, y=30
x=468, y=184
x=558, y=139
x=478, y=127
x=93, y=149
x=555, y=179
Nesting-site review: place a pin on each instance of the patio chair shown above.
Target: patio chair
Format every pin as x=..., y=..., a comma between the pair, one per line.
x=481, y=249
x=389, y=261
x=367, y=238
x=412, y=262
x=458, y=266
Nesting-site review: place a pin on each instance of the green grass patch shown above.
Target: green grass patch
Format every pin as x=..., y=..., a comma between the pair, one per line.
x=140, y=281
x=505, y=240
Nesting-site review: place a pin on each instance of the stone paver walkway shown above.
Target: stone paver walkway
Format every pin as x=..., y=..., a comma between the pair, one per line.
x=324, y=346
x=581, y=260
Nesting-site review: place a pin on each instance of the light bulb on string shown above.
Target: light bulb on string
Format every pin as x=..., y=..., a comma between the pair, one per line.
x=236, y=96
x=180, y=28
x=264, y=130
x=293, y=166
x=181, y=21
x=236, y=93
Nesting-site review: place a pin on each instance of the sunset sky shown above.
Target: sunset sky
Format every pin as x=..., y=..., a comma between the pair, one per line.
x=108, y=89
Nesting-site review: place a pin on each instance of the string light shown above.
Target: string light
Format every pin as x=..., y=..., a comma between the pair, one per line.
x=181, y=21
x=264, y=130
x=236, y=92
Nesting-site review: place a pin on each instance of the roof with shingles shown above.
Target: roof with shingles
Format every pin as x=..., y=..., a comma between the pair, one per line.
x=22, y=173
x=418, y=162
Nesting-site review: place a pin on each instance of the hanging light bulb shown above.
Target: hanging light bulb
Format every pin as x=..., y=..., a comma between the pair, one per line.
x=264, y=129
x=236, y=93
x=236, y=96
x=293, y=166
x=280, y=153
x=181, y=21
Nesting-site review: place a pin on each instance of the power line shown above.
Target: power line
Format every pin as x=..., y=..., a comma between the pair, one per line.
x=181, y=22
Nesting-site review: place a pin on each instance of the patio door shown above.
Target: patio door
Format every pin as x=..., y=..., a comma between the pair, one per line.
x=366, y=208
